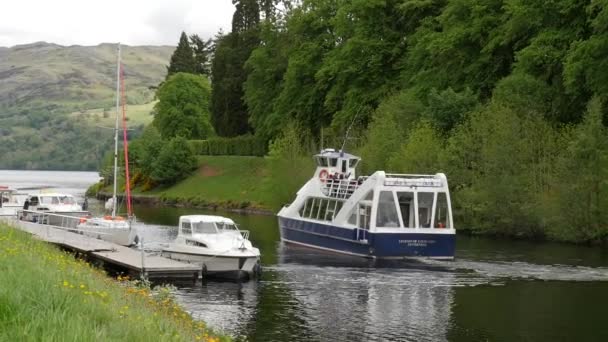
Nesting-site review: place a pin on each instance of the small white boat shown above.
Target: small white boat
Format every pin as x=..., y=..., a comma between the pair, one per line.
x=11, y=201
x=217, y=244
x=114, y=229
x=38, y=205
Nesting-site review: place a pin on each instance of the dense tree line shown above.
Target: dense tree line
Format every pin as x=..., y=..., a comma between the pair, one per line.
x=508, y=98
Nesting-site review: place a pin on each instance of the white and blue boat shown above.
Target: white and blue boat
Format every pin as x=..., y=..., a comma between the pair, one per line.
x=386, y=216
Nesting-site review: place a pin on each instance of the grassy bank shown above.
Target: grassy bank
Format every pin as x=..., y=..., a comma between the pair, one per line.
x=47, y=294
x=233, y=182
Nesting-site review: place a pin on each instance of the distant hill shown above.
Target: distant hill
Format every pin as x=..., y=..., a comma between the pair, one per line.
x=43, y=74
x=53, y=98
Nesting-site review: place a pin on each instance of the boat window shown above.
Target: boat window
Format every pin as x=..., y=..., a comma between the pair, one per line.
x=55, y=200
x=66, y=200
x=303, y=207
x=353, y=217
x=442, y=219
x=186, y=228
x=322, y=161
x=425, y=205
x=365, y=213
x=315, y=208
x=344, y=166
x=204, y=228
x=406, y=207
x=386, y=216
x=352, y=163
x=34, y=201
x=226, y=226
x=333, y=162
x=322, y=209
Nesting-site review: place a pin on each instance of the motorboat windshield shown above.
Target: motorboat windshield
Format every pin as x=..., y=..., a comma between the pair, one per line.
x=59, y=199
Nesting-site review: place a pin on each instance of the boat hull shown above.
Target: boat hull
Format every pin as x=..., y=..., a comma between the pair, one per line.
x=366, y=244
x=123, y=237
x=225, y=267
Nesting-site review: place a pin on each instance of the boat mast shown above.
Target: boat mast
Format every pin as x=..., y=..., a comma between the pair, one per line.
x=125, y=142
x=114, y=201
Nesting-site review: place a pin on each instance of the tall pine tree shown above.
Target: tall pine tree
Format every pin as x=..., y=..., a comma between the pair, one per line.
x=202, y=54
x=182, y=59
x=229, y=111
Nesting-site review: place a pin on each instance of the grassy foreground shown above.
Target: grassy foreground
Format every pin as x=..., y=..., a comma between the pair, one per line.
x=48, y=295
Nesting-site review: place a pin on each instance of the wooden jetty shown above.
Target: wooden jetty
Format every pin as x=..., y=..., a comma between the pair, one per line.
x=136, y=262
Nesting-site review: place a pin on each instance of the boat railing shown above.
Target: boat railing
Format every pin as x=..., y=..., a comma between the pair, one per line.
x=244, y=234
x=340, y=188
x=54, y=220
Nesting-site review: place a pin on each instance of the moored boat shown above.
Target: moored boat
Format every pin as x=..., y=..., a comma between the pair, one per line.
x=115, y=228
x=379, y=216
x=217, y=245
x=54, y=207
x=11, y=201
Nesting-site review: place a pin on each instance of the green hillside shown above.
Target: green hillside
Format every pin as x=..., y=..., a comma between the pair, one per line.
x=55, y=101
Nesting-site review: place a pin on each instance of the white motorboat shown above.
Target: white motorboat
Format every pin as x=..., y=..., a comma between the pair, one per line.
x=53, y=206
x=11, y=201
x=217, y=244
x=114, y=228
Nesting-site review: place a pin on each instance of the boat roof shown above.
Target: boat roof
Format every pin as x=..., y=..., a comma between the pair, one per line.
x=330, y=152
x=206, y=218
x=51, y=194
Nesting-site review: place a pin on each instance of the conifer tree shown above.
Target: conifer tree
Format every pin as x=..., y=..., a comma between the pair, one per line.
x=182, y=59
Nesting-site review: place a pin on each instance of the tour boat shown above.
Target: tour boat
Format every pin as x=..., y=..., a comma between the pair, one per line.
x=11, y=201
x=217, y=244
x=379, y=216
x=114, y=228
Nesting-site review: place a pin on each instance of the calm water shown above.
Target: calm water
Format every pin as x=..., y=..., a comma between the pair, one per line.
x=494, y=291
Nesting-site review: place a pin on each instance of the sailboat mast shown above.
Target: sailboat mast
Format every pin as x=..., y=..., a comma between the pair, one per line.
x=114, y=200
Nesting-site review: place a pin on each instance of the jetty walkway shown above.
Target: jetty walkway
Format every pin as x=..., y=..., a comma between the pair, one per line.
x=137, y=263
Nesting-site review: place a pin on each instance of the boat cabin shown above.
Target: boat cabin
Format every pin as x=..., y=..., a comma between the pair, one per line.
x=53, y=202
x=335, y=165
x=10, y=197
x=405, y=202
x=383, y=202
x=205, y=224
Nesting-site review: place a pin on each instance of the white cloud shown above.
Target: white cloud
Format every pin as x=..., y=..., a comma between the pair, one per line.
x=133, y=22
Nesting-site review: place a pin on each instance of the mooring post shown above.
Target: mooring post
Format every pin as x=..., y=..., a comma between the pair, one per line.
x=143, y=266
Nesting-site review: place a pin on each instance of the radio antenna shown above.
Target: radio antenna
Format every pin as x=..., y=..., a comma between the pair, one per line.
x=349, y=127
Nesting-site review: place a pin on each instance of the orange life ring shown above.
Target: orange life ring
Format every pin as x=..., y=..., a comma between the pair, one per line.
x=323, y=175
x=83, y=219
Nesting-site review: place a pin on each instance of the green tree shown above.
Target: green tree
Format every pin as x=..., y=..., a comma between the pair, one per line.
x=389, y=128
x=581, y=187
x=182, y=59
x=420, y=153
x=183, y=107
x=202, y=51
x=175, y=161
x=448, y=108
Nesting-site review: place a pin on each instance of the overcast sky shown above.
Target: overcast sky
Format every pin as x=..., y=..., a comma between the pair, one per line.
x=90, y=22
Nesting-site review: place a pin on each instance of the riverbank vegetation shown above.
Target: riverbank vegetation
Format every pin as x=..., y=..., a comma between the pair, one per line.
x=47, y=294
x=506, y=98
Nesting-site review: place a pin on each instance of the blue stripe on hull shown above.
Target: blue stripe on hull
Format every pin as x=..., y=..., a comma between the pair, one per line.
x=380, y=245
